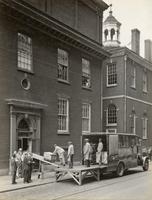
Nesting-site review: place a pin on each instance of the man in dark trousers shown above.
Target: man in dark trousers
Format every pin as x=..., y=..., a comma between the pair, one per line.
x=14, y=168
x=30, y=164
x=26, y=168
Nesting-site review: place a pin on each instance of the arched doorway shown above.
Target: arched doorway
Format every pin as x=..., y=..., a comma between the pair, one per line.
x=25, y=134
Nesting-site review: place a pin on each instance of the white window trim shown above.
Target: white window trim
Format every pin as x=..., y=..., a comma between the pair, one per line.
x=89, y=118
x=89, y=85
x=145, y=136
x=67, y=66
x=145, y=79
x=134, y=124
x=31, y=66
x=133, y=78
x=134, y=130
x=107, y=84
x=67, y=122
x=109, y=124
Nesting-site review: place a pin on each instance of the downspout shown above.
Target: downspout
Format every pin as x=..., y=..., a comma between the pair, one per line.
x=125, y=94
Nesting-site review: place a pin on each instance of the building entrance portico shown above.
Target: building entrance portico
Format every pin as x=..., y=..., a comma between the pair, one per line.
x=25, y=135
x=25, y=126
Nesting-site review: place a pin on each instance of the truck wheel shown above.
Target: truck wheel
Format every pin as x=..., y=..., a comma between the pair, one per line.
x=146, y=165
x=120, y=170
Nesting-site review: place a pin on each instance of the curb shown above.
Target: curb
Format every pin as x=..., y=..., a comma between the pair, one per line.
x=24, y=187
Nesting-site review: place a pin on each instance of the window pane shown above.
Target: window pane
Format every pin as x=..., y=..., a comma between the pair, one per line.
x=133, y=77
x=86, y=75
x=63, y=115
x=62, y=57
x=86, y=117
x=112, y=74
x=62, y=65
x=24, y=52
x=112, y=114
x=144, y=81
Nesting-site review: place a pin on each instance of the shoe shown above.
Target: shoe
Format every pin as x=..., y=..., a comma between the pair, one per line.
x=14, y=183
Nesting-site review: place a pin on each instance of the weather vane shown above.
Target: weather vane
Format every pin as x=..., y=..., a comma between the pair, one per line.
x=110, y=7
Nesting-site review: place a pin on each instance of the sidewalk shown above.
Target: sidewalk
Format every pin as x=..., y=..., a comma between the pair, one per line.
x=6, y=186
x=49, y=177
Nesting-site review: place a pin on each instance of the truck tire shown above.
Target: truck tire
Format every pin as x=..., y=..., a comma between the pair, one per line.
x=146, y=165
x=120, y=169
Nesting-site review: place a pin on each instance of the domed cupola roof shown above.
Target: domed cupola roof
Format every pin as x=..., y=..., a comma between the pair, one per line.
x=111, y=31
x=111, y=19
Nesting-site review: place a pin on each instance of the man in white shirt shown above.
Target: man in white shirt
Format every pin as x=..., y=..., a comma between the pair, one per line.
x=86, y=152
x=70, y=154
x=60, y=152
x=99, y=152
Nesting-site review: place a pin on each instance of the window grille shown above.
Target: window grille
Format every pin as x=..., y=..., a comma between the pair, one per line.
x=112, y=114
x=145, y=82
x=86, y=117
x=63, y=115
x=63, y=63
x=86, y=75
x=145, y=127
x=24, y=52
x=133, y=123
x=133, y=77
x=111, y=74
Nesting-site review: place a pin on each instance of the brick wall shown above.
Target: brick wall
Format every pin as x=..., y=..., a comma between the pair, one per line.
x=45, y=87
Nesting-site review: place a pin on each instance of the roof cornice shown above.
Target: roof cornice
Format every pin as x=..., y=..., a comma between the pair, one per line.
x=121, y=51
x=21, y=10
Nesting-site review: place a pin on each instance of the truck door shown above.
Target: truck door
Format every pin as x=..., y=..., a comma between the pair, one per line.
x=113, y=152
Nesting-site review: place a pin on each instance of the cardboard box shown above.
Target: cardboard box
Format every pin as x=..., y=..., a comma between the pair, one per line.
x=49, y=156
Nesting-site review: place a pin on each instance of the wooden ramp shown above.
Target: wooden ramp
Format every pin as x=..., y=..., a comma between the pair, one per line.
x=42, y=163
x=41, y=159
x=79, y=173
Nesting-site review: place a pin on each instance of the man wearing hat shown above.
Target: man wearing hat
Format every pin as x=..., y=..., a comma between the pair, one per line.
x=86, y=152
x=70, y=154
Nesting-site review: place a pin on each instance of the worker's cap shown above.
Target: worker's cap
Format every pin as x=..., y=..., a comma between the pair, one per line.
x=86, y=139
x=69, y=142
x=20, y=149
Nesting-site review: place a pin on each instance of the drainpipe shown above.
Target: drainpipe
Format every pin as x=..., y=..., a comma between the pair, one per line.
x=125, y=93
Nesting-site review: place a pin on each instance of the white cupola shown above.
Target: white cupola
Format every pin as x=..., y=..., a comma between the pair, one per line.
x=111, y=31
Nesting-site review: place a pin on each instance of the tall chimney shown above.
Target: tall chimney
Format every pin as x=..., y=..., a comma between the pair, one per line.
x=135, y=40
x=148, y=50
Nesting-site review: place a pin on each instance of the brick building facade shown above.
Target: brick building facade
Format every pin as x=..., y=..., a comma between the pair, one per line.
x=127, y=85
x=50, y=74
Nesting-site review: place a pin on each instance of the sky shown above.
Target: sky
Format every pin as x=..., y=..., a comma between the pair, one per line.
x=132, y=14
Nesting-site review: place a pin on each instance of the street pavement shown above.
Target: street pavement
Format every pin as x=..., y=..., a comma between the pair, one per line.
x=6, y=186
x=135, y=185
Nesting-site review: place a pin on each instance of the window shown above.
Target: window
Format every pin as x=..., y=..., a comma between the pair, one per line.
x=63, y=63
x=133, y=123
x=144, y=81
x=106, y=34
x=63, y=115
x=112, y=115
x=133, y=77
x=112, y=33
x=123, y=141
x=86, y=75
x=145, y=127
x=24, y=52
x=86, y=117
x=111, y=75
